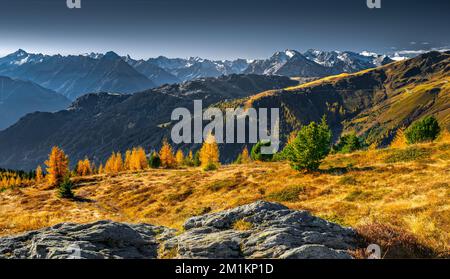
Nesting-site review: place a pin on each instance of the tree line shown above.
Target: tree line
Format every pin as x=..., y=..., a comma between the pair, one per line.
x=305, y=150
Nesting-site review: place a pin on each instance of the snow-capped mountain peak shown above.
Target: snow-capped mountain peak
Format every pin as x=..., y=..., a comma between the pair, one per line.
x=290, y=53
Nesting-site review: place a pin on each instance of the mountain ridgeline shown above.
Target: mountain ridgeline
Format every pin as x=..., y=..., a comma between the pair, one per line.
x=17, y=98
x=76, y=75
x=97, y=124
x=374, y=103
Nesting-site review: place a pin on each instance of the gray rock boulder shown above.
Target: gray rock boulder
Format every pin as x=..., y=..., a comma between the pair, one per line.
x=270, y=230
x=99, y=240
x=275, y=232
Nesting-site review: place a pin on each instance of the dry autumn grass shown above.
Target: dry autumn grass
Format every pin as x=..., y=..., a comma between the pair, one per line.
x=408, y=189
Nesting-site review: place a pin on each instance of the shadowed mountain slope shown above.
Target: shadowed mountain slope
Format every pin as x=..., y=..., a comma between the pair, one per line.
x=17, y=98
x=97, y=124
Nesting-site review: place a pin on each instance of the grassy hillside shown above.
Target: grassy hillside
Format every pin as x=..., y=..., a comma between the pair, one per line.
x=374, y=102
x=406, y=188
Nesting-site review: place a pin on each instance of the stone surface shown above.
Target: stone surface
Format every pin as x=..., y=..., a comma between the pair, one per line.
x=99, y=240
x=276, y=232
x=272, y=231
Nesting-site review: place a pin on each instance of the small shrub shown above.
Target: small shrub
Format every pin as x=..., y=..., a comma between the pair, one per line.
x=356, y=195
x=279, y=156
x=179, y=197
x=348, y=180
x=424, y=130
x=289, y=194
x=228, y=184
x=197, y=161
x=310, y=147
x=408, y=155
x=210, y=167
x=349, y=143
x=242, y=225
x=256, y=154
x=154, y=161
x=65, y=188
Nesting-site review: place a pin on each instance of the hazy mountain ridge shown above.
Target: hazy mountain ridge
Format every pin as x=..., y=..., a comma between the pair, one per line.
x=17, y=98
x=75, y=75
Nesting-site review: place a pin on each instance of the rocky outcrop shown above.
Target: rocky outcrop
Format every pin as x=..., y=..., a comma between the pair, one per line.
x=271, y=231
x=99, y=240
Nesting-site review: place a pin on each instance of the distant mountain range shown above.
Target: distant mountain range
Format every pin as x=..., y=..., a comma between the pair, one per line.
x=374, y=103
x=17, y=98
x=75, y=75
x=315, y=63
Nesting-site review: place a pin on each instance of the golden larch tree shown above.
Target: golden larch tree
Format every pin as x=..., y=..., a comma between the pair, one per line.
x=100, y=169
x=168, y=160
x=57, y=166
x=39, y=175
x=209, y=153
x=109, y=165
x=127, y=164
x=399, y=140
x=179, y=157
x=118, y=163
x=138, y=159
x=114, y=164
x=84, y=167
x=141, y=159
x=245, y=157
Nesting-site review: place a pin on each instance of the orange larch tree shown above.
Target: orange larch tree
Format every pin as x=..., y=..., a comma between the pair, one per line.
x=57, y=166
x=179, y=157
x=168, y=160
x=39, y=175
x=245, y=157
x=209, y=153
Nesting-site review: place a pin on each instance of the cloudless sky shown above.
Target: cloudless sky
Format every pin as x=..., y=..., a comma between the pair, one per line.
x=223, y=29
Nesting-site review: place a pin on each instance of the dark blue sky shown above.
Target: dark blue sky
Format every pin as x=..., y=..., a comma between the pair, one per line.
x=221, y=29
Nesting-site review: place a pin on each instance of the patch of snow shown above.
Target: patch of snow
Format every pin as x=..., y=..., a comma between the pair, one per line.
x=290, y=53
x=22, y=61
x=368, y=54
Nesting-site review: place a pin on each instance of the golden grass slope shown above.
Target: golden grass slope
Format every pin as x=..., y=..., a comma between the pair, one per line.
x=408, y=188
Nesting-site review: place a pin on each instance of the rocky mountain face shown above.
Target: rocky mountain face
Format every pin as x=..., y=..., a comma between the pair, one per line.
x=74, y=76
x=158, y=75
x=315, y=63
x=17, y=98
x=274, y=232
x=97, y=124
x=347, y=61
x=195, y=67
